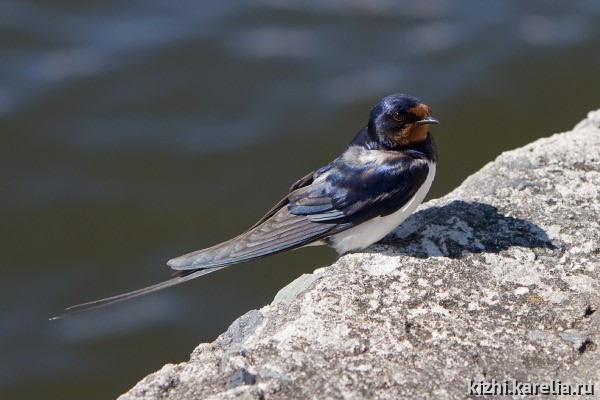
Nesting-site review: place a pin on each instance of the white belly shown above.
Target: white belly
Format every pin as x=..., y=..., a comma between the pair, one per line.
x=369, y=232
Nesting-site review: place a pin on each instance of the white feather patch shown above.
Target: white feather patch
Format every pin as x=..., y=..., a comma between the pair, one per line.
x=369, y=232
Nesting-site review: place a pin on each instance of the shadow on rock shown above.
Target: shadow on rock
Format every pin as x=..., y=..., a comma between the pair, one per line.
x=460, y=228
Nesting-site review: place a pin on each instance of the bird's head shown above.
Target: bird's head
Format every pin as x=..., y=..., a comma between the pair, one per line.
x=400, y=120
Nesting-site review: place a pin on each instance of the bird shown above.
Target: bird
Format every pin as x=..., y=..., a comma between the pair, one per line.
x=354, y=201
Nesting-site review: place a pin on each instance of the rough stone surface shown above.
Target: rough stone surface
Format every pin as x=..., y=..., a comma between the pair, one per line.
x=500, y=279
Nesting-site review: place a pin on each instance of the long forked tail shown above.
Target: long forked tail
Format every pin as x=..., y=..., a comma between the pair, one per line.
x=281, y=231
x=182, y=276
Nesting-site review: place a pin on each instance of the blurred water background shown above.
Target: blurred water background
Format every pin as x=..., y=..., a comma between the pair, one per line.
x=133, y=131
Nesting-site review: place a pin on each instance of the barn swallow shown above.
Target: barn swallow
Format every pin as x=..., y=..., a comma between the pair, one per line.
x=349, y=204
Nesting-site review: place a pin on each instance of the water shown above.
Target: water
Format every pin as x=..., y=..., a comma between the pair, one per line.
x=135, y=131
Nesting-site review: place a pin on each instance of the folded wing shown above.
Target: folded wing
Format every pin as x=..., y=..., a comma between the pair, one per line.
x=343, y=193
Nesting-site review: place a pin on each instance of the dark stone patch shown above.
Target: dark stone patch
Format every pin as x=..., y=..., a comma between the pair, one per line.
x=240, y=377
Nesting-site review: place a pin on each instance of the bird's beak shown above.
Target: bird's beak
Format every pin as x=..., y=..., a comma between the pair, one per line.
x=427, y=120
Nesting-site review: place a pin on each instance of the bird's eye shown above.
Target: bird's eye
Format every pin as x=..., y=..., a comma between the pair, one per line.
x=397, y=116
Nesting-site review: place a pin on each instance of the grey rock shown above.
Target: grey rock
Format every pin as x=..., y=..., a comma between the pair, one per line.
x=291, y=291
x=242, y=328
x=240, y=377
x=500, y=279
